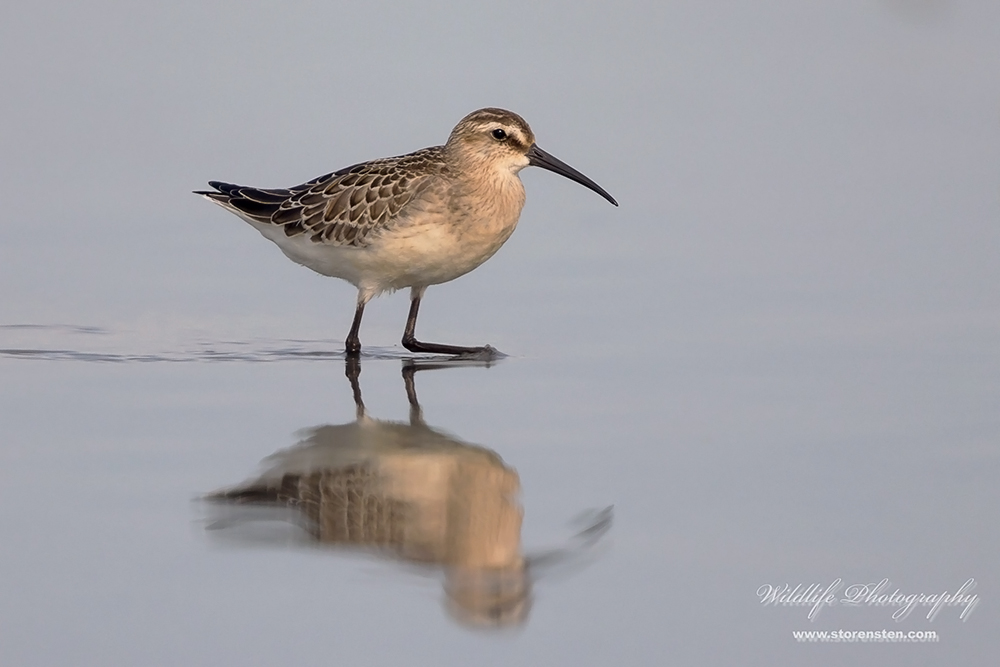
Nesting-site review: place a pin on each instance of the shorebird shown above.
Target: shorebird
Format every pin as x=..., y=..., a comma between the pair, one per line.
x=414, y=220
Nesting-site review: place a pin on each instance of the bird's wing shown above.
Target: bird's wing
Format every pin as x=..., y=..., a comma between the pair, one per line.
x=341, y=208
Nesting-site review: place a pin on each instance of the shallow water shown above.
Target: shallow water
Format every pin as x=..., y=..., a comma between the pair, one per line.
x=722, y=480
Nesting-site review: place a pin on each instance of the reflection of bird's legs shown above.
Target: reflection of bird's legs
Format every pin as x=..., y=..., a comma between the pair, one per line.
x=416, y=414
x=352, y=369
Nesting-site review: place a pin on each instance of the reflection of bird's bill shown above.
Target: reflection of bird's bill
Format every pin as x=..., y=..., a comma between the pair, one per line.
x=579, y=551
x=595, y=524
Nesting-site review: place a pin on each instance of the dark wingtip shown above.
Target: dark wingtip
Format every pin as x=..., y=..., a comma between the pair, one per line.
x=213, y=195
x=222, y=186
x=222, y=190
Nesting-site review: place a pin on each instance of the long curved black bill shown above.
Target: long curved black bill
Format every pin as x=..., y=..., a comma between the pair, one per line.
x=539, y=158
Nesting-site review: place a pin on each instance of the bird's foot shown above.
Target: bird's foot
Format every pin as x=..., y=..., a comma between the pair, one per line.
x=352, y=348
x=485, y=352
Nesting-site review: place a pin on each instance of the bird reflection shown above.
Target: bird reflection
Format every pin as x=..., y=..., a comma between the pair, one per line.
x=415, y=493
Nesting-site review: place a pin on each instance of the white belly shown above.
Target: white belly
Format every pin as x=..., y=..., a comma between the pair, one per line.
x=414, y=254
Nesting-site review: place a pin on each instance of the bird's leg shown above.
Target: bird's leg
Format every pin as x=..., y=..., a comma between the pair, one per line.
x=411, y=343
x=352, y=346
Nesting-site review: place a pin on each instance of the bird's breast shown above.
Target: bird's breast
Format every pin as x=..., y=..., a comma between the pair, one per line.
x=438, y=243
x=483, y=218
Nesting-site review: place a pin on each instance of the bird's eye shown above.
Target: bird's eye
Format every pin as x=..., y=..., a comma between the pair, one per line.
x=499, y=134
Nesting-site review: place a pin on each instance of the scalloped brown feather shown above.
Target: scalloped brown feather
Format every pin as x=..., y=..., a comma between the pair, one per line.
x=341, y=208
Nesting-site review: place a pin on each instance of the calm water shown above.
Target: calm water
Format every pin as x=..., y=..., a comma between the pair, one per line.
x=791, y=468
x=778, y=362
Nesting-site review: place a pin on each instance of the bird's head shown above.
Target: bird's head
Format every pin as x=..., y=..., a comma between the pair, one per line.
x=503, y=140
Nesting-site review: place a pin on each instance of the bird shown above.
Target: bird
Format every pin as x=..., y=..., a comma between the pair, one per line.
x=414, y=220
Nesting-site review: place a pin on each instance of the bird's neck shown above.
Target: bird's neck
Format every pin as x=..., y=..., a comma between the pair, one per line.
x=491, y=185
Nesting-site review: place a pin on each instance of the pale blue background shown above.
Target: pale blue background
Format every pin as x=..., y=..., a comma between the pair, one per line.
x=778, y=359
